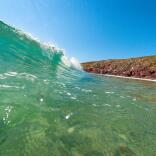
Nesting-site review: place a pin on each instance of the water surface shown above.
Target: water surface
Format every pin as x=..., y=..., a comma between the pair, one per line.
x=48, y=107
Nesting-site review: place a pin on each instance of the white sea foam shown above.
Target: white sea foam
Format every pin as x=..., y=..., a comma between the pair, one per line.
x=109, y=92
x=11, y=74
x=8, y=86
x=72, y=62
x=68, y=93
x=74, y=98
x=75, y=63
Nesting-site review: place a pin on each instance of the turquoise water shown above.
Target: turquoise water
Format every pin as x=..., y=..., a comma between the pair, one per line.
x=50, y=108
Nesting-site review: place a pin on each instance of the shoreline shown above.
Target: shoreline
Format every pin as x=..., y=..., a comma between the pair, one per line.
x=125, y=77
x=139, y=68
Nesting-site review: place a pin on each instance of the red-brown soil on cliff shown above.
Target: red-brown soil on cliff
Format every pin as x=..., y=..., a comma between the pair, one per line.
x=141, y=67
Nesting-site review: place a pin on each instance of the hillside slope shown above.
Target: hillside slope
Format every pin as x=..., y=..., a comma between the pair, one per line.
x=141, y=67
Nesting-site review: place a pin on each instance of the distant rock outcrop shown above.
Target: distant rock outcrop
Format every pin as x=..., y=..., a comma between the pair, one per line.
x=142, y=67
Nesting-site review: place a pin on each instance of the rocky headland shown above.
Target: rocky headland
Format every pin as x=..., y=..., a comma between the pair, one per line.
x=141, y=67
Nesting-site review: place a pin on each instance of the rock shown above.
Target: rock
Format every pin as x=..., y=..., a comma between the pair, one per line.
x=144, y=73
x=143, y=67
x=124, y=150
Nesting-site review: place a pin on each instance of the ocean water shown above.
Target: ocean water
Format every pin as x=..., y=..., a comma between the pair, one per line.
x=49, y=107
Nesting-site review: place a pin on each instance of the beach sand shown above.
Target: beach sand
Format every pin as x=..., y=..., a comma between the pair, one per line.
x=133, y=78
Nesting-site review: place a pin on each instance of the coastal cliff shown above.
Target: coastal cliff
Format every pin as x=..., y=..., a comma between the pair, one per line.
x=141, y=67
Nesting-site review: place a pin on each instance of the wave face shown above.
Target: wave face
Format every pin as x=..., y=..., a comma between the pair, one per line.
x=49, y=106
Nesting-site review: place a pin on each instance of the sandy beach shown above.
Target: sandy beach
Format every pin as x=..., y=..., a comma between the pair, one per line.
x=133, y=78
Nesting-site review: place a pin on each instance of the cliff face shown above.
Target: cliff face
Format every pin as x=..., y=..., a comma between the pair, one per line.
x=142, y=67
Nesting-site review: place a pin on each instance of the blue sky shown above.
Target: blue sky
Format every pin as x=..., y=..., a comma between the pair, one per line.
x=88, y=29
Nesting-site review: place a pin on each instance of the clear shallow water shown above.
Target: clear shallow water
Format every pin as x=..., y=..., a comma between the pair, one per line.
x=48, y=108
